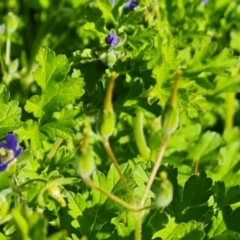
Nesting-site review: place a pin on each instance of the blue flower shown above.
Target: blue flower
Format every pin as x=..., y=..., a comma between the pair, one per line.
x=1, y=29
x=131, y=4
x=112, y=39
x=204, y=3
x=112, y=2
x=8, y=151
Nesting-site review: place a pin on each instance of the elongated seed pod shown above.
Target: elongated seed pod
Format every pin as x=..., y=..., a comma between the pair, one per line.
x=107, y=124
x=85, y=163
x=170, y=119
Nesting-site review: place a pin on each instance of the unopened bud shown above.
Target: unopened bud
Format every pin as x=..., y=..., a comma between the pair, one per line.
x=107, y=124
x=11, y=22
x=56, y=193
x=110, y=59
x=85, y=163
x=164, y=195
x=170, y=119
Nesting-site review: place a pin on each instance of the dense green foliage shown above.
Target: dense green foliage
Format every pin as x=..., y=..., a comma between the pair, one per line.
x=57, y=96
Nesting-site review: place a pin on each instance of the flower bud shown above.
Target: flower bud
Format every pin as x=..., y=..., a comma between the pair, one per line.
x=164, y=195
x=85, y=163
x=11, y=22
x=112, y=39
x=56, y=194
x=170, y=119
x=131, y=4
x=107, y=123
x=110, y=59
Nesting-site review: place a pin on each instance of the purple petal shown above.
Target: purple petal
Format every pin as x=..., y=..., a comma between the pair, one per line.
x=112, y=2
x=131, y=4
x=112, y=39
x=3, y=166
x=11, y=142
x=17, y=152
x=3, y=145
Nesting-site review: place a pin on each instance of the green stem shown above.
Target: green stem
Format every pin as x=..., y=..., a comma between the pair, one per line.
x=32, y=180
x=110, y=195
x=111, y=155
x=1, y=59
x=139, y=135
x=107, y=105
x=17, y=189
x=230, y=110
x=8, y=49
x=53, y=150
x=173, y=98
x=196, y=166
x=138, y=225
x=154, y=171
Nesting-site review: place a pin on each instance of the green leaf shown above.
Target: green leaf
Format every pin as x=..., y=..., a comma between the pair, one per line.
x=56, y=107
x=53, y=68
x=218, y=225
x=207, y=143
x=184, y=231
x=225, y=197
x=232, y=218
x=106, y=8
x=58, y=90
x=229, y=170
x=30, y=130
x=197, y=190
x=5, y=181
x=2, y=237
x=227, y=235
x=193, y=203
x=10, y=113
x=27, y=229
x=59, y=235
x=76, y=204
x=154, y=222
x=21, y=224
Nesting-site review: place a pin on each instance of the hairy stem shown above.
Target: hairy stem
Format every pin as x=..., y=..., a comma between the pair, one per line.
x=173, y=98
x=32, y=180
x=138, y=225
x=154, y=171
x=8, y=49
x=111, y=155
x=139, y=135
x=196, y=166
x=107, y=105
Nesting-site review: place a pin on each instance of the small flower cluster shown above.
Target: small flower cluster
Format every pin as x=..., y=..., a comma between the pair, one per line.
x=113, y=40
x=8, y=151
x=130, y=4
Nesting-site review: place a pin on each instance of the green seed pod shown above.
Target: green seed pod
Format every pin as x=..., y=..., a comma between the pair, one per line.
x=164, y=195
x=170, y=119
x=110, y=59
x=56, y=193
x=107, y=124
x=85, y=163
x=11, y=22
